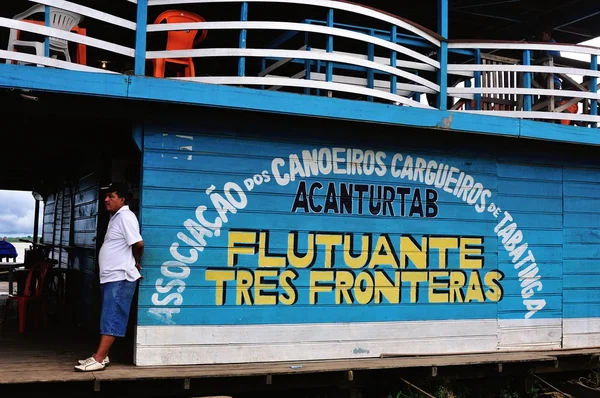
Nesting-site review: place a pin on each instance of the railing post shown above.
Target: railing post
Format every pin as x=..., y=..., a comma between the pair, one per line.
x=468, y=103
x=477, y=78
x=393, y=60
x=47, y=39
x=307, y=63
x=370, y=71
x=594, y=88
x=242, y=60
x=443, y=55
x=527, y=81
x=141, y=23
x=329, y=48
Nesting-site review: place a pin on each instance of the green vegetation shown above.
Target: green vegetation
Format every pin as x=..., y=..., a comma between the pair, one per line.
x=16, y=239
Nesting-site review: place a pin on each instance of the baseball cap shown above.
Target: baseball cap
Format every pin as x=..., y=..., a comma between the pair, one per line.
x=121, y=188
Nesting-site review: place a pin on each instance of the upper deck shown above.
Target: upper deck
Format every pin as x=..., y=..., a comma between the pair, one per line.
x=322, y=58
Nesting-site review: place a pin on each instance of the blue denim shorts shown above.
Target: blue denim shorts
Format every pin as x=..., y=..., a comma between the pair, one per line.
x=116, y=305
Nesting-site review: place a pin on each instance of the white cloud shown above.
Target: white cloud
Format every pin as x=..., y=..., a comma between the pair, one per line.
x=17, y=210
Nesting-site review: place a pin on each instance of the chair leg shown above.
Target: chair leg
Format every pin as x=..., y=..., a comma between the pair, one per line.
x=190, y=70
x=5, y=316
x=44, y=313
x=159, y=67
x=22, y=315
x=36, y=315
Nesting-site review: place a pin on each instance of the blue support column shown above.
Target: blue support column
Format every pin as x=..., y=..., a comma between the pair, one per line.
x=468, y=105
x=477, y=78
x=370, y=71
x=393, y=60
x=242, y=60
x=47, y=39
x=527, y=81
x=594, y=88
x=443, y=54
x=329, y=70
x=140, y=37
x=307, y=63
x=416, y=95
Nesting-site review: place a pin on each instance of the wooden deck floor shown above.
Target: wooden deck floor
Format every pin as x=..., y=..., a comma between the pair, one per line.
x=46, y=356
x=49, y=356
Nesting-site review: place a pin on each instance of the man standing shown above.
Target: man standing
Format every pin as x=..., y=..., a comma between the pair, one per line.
x=119, y=261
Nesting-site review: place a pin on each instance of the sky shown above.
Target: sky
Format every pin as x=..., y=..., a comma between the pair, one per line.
x=17, y=207
x=17, y=214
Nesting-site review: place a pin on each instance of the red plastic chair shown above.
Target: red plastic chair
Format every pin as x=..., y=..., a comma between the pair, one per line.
x=179, y=40
x=31, y=294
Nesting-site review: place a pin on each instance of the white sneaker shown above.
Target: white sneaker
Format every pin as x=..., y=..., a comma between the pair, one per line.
x=90, y=365
x=105, y=362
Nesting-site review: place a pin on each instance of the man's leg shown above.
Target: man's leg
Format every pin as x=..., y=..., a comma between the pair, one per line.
x=106, y=342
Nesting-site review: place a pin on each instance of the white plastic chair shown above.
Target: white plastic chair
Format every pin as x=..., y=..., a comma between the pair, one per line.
x=59, y=19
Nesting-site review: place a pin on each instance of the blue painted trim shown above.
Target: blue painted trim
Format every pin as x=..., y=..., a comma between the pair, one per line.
x=559, y=132
x=140, y=37
x=370, y=73
x=477, y=79
x=594, y=88
x=138, y=136
x=307, y=64
x=468, y=105
x=174, y=91
x=281, y=39
x=63, y=81
x=443, y=18
x=329, y=70
x=527, y=81
x=393, y=60
x=442, y=100
x=47, y=39
x=243, y=34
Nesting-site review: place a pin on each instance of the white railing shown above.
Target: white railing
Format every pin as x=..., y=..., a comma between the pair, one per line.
x=58, y=33
x=523, y=86
x=397, y=63
x=392, y=79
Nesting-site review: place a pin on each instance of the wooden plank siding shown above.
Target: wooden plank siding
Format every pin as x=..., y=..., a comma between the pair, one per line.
x=70, y=219
x=225, y=223
x=581, y=295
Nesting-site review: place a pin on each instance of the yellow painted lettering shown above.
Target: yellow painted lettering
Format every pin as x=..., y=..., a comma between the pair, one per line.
x=290, y=294
x=240, y=242
x=410, y=250
x=295, y=259
x=220, y=277
x=364, y=287
x=329, y=241
x=458, y=279
x=385, y=287
x=359, y=261
x=443, y=244
x=344, y=281
x=244, y=282
x=265, y=260
x=414, y=278
x=474, y=288
x=439, y=290
x=492, y=281
x=320, y=282
x=383, y=254
x=265, y=291
x=471, y=250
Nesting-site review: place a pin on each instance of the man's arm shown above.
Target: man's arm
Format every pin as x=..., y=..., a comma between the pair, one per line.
x=138, y=251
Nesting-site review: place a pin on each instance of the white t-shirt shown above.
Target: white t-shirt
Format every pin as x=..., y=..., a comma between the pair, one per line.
x=116, y=256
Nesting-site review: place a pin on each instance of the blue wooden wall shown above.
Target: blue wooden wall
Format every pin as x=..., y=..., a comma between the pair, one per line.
x=250, y=229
